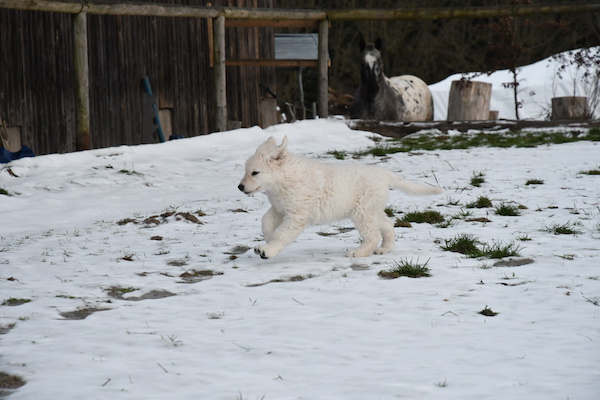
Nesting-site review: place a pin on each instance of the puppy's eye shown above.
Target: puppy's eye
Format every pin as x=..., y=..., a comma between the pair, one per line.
x=254, y=173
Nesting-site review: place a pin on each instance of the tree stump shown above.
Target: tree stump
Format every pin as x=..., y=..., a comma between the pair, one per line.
x=469, y=101
x=572, y=107
x=268, y=112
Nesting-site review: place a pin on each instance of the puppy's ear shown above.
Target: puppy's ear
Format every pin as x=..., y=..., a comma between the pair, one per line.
x=270, y=141
x=281, y=152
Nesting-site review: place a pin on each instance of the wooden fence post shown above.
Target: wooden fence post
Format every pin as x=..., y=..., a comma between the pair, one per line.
x=82, y=82
x=469, y=101
x=323, y=68
x=220, y=74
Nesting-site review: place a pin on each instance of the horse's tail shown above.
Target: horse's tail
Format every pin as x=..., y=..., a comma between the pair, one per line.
x=409, y=187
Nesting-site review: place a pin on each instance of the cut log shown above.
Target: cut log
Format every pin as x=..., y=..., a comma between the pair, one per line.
x=572, y=107
x=469, y=101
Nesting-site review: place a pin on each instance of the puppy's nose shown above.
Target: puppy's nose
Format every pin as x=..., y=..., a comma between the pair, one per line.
x=241, y=187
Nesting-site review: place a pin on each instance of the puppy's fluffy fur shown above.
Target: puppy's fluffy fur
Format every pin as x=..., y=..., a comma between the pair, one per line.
x=303, y=192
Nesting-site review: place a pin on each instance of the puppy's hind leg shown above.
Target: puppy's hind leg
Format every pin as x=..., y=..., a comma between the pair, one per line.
x=369, y=233
x=386, y=227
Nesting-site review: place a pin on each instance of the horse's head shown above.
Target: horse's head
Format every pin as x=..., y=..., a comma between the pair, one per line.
x=371, y=65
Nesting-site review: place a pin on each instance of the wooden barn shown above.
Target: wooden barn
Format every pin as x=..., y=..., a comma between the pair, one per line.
x=38, y=98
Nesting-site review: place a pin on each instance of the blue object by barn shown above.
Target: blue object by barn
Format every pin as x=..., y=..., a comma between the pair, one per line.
x=8, y=156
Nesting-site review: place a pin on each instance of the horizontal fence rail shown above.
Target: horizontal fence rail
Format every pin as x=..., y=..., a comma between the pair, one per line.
x=172, y=10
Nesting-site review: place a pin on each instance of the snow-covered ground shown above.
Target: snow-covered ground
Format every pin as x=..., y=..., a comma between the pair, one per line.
x=538, y=84
x=251, y=332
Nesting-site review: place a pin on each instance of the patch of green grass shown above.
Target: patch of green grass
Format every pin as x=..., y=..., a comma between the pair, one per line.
x=472, y=247
x=390, y=212
x=564, y=229
x=499, y=250
x=488, y=312
x=479, y=139
x=120, y=291
x=464, y=244
x=419, y=217
x=595, y=171
x=507, y=210
x=4, y=192
x=339, y=155
x=477, y=179
x=463, y=214
x=130, y=172
x=534, y=182
x=15, y=302
x=481, y=202
x=524, y=238
x=406, y=268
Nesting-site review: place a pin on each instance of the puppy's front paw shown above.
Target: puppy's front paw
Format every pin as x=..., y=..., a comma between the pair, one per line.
x=267, y=251
x=261, y=252
x=382, y=250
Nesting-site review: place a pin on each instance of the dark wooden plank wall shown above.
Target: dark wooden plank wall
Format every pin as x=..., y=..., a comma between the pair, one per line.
x=248, y=43
x=36, y=75
x=36, y=84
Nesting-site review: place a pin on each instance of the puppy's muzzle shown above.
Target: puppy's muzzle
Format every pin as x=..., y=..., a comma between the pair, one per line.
x=241, y=187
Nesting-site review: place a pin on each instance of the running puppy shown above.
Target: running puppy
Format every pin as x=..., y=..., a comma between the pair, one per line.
x=303, y=192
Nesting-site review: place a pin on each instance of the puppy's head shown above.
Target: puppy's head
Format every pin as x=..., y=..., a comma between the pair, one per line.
x=262, y=168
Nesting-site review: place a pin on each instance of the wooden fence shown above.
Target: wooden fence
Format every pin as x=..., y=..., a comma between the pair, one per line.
x=40, y=72
x=169, y=43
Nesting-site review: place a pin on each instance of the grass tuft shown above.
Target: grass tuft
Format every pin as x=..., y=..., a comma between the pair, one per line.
x=339, y=155
x=406, y=268
x=471, y=247
x=507, y=210
x=499, y=250
x=534, y=182
x=477, y=179
x=15, y=302
x=464, y=244
x=595, y=171
x=481, y=202
x=564, y=229
x=488, y=312
x=419, y=217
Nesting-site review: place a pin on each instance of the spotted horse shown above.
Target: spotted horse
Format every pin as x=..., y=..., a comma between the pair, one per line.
x=400, y=98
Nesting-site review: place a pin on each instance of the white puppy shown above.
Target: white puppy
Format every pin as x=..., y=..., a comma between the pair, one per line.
x=303, y=192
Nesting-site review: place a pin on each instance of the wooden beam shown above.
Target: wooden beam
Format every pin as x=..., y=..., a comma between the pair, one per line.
x=82, y=82
x=220, y=74
x=173, y=10
x=254, y=23
x=323, y=73
x=271, y=63
x=456, y=13
x=140, y=9
x=272, y=14
x=162, y=10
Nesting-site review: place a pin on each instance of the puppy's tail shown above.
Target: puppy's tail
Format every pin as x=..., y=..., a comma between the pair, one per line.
x=413, y=188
